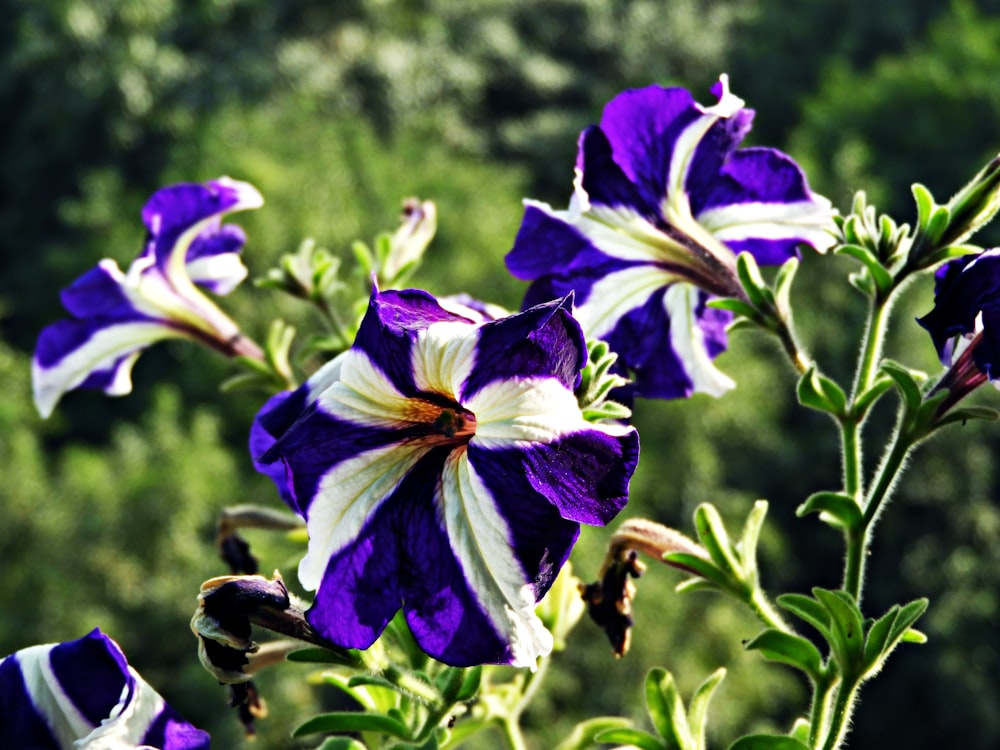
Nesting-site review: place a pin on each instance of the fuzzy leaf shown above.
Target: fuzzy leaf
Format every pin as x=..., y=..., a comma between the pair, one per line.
x=776, y=645
x=836, y=508
x=353, y=721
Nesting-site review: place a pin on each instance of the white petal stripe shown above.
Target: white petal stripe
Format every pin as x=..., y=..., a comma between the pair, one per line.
x=616, y=295
x=97, y=353
x=65, y=720
x=364, y=394
x=806, y=220
x=346, y=498
x=480, y=540
x=688, y=341
x=443, y=356
x=531, y=410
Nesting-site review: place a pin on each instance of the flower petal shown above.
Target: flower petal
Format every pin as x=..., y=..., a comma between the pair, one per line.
x=83, y=694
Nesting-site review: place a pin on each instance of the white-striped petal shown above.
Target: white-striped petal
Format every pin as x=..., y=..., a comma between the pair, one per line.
x=618, y=294
x=129, y=722
x=535, y=410
x=688, y=341
x=347, y=497
x=808, y=221
x=65, y=720
x=96, y=354
x=480, y=539
x=443, y=357
x=364, y=394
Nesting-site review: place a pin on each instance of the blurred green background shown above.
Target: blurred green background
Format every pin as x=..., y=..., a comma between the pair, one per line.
x=337, y=111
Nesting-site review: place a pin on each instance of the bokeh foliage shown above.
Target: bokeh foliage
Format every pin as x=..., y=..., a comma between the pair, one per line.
x=337, y=111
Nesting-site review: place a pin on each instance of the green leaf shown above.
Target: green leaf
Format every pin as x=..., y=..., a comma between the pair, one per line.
x=808, y=610
x=783, y=287
x=908, y=615
x=341, y=743
x=699, y=566
x=967, y=413
x=470, y=685
x=737, y=306
x=836, y=508
x=753, y=283
x=666, y=709
x=794, y=650
x=751, y=536
x=316, y=655
x=698, y=707
x=925, y=204
x=878, y=272
x=847, y=634
x=937, y=224
x=767, y=742
x=625, y=736
x=905, y=382
x=585, y=733
x=353, y=721
x=864, y=400
x=819, y=392
x=714, y=538
x=914, y=636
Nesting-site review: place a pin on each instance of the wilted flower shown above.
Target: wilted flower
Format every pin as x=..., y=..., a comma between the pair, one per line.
x=116, y=315
x=663, y=203
x=443, y=465
x=965, y=322
x=83, y=695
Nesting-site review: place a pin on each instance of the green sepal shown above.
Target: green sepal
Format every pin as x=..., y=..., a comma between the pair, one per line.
x=794, y=650
x=967, y=413
x=737, y=307
x=767, y=742
x=714, y=538
x=586, y=732
x=925, y=204
x=364, y=257
x=633, y=737
x=698, y=707
x=808, y=610
x=666, y=709
x=888, y=631
x=876, y=271
x=751, y=536
x=800, y=730
x=753, y=283
x=317, y=655
x=950, y=251
x=341, y=743
x=847, y=635
x=783, y=287
x=937, y=224
x=821, y=393
x=906, y=383
x=864, y=400
x=698, y=566
x=835, y=508
x=353, y=721
x=912, y=635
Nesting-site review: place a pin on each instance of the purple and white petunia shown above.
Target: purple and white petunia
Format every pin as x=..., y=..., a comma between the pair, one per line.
x=83, y=695
x=663, y=203
x=115, y=315
x=443, y=466
x=965, y=321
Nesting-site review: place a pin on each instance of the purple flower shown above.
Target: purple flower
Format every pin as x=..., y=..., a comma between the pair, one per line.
x=663, y=203
x=443, y=466
x=83, y=695
x=965, y=321
x=115, y=315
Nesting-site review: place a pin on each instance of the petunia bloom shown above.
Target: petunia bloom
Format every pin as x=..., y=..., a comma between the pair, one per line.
x=663, y=203
x=965, y=321
x=115, y=315
x=83, y=695
x=443, y=466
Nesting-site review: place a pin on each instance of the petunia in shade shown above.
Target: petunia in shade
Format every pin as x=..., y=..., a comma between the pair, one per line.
x=83, y=695
x=965, y=321
x=115, y=315
x=663, y=203
x=443, y=466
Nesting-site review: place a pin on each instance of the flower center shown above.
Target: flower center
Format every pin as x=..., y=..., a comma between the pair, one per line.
x=445, y=420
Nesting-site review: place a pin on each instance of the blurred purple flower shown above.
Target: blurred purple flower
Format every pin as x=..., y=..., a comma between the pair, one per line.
x=443, y=465
x=663, y=203
x=115, y=315
x=83, y=695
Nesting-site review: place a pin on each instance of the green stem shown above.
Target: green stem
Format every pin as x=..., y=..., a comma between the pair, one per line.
x=851, y=447
x=512, y=733
x=840, y=718
x=871, y=352
x=765, y=611
x=819, y=712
